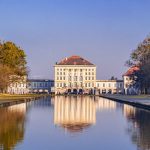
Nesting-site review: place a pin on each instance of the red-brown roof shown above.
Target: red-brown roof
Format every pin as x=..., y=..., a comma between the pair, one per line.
x=74, y=60
x=131, y=71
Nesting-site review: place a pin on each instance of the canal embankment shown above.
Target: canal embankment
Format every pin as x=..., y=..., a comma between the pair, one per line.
x=140, y=101
x=8, y=100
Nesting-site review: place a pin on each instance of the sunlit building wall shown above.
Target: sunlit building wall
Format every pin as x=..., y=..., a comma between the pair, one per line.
x=74, y=74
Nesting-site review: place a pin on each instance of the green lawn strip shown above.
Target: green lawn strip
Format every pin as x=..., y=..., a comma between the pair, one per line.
x=18, y=97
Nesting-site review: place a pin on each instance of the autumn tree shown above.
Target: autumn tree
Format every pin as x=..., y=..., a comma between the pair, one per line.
x=12, y=64
x=141, y=57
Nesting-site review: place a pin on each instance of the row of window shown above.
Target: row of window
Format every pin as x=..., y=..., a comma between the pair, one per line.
x=42, y=84
x=75, y=84
x=75, y=70
x=75, y=78
x=110, y=85
x=75, y=73
x=18, y=85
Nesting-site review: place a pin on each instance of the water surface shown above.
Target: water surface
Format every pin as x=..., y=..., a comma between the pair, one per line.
x=74, y=123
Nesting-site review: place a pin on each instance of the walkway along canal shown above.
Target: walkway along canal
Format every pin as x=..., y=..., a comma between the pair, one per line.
x=142, y=101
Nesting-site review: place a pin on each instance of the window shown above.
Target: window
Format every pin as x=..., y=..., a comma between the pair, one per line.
x=46, y=85
x=69, y=78
x=89, y=85
x=69, y=84
x=60, y=84
x=81, y=78
x=75, y=84
x=109, y=85
x=85, y=84
x=120, y=85
x=75, y=78
x=57, y=84
x=34, y=84
x=103, y=84
x=64, y=78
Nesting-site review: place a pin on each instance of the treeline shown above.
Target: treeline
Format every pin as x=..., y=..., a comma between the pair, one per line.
x=12, y=64
x=140, y=57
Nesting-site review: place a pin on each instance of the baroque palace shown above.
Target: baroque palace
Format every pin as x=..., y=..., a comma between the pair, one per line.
x=77, y=75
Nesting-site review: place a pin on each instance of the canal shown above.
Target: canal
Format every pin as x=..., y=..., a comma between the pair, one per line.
x=74, y=123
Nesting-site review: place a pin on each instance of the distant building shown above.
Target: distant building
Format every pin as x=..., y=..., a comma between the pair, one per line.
x=40, y=85
x=109, y=86
x=129, y=87
x=18, y=87
x=74, y=74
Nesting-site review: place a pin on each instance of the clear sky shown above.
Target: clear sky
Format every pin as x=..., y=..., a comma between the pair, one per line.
x=102, y=31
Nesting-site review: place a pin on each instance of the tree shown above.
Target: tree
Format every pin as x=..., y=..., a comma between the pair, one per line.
x=12, y=64
x=141, y=57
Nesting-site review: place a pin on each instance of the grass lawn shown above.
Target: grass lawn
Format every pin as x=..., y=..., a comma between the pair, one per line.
x=17, y=97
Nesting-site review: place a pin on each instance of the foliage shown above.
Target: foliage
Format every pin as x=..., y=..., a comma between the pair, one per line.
x=12, y=64
x=141, y=57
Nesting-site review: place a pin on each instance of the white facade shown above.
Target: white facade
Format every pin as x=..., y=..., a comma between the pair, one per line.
x=129, y=89
x=129, y=81
x=74, y=77
x=77, y=75
x=109, y=86
x=19, y=87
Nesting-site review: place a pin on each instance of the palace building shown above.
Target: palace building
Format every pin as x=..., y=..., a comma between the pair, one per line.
x=74, y=74
x=78, y=76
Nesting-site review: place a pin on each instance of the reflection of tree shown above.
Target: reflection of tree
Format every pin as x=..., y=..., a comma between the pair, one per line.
x=139, y=128
x=11, y=127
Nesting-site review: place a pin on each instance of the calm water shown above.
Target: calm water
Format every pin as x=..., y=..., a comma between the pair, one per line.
x=74, y=123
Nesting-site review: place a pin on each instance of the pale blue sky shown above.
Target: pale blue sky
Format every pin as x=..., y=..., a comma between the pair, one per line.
x=102, y=31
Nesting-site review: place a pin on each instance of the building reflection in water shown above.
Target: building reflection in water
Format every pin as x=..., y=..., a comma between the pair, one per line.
x=76, y=113
x=12, y=126
x=138, y=126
